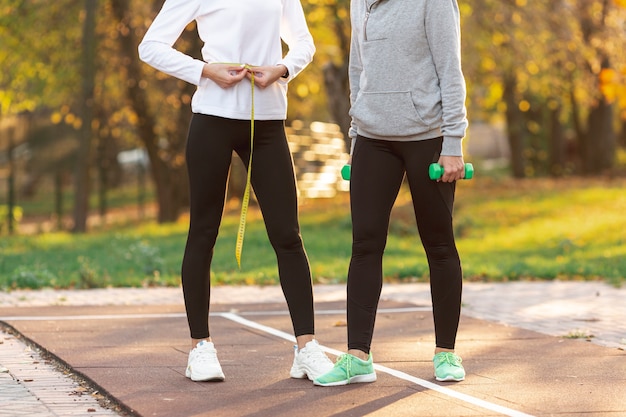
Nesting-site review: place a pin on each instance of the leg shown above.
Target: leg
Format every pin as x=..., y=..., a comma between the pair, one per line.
x=376, y=177
x=375, y=181
x=275, y=188
x=433, y=202
x=208, y=156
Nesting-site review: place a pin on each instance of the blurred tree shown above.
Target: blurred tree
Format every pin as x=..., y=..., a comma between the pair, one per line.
x=150, y=94
x=493, y=59
x=539, y=64
x=598, y=140
x=83, y=157
x=329, y=23
x=554, y=70
x=41, y=71
x=39, y=49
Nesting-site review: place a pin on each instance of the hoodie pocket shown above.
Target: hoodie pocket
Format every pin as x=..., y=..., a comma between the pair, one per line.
x=387, y=114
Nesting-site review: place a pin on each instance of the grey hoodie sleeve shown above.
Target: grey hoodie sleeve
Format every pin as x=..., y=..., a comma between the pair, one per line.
x=444, y=37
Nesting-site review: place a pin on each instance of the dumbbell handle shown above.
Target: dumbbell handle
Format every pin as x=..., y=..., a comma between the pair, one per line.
x=435, y=171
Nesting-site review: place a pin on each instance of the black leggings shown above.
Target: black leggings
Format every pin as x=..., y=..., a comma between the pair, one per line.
x=378, y=168
x=210, y=144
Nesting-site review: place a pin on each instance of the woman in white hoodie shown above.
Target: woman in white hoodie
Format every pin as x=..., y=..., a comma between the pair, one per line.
x=242, y=44
x=407, y=94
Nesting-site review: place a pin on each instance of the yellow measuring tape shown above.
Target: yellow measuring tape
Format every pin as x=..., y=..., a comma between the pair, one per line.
x=246, y=194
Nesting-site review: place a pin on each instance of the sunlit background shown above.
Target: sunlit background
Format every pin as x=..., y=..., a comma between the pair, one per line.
x=92, y=143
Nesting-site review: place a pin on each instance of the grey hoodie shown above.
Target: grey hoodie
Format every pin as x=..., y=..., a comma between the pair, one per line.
x=406, y=81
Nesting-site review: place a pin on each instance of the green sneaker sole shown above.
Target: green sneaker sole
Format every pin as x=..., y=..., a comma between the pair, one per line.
x=353, y=380
x=449, y=378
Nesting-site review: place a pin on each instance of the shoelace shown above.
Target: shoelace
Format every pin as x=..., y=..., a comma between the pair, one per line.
x=346, y=361
x=316, y=353
x=205, y=354
x=450, y=358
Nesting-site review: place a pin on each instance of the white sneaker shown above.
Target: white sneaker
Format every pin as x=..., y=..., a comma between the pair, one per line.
x=310, y=361
x=202, y=364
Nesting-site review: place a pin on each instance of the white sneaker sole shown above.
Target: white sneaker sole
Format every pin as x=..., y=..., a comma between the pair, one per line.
x=304, y=372
x=204, y=378
x=298, y=374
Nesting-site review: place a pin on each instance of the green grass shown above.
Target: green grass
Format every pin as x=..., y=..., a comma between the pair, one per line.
x=506, y=230
x=545, y=229
x=579, y=334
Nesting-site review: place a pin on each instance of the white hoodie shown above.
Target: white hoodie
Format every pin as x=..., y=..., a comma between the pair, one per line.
x=233, y=31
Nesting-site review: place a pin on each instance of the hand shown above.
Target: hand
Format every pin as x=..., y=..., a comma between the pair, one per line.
x=266, y=75
x=224, y=75
x=453, y=168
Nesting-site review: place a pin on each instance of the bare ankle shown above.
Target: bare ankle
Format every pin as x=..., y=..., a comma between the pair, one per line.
x=194, y=342
x=359, y=354
x=302, y=340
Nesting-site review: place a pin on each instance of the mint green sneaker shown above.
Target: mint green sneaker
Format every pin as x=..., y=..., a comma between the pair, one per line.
x=448, y=367
x=348, y=370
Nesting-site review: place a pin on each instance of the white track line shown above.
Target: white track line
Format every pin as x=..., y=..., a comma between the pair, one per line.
x=398, y=374
x=278, y=333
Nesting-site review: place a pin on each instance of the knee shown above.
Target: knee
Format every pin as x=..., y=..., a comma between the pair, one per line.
x=368, y=246
x=441, y=252
x=202, y=234
x=286, y=240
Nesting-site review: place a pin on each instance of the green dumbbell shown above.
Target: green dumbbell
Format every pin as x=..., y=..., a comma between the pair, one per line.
x=435, y=171
x=345, y=172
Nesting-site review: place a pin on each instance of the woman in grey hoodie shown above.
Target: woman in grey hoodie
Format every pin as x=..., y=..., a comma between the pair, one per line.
x=407, y=94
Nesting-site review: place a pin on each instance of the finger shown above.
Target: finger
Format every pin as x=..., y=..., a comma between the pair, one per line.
x=257, y=73
x=449, y=174
x=238, y=75
x=235, y=69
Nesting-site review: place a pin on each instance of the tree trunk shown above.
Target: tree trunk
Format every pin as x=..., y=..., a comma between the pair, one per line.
x=557, y=144
x=83, y=160
x=58, y=197
x=10, y=182
x=103, y=181
x=166, y=181
x=579, y=147
x=515, y=127
x=336, y=76
x=600, y=139
x=338, y=96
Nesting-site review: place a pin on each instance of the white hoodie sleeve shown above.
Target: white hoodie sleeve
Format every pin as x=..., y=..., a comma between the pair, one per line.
x=156, y=49
x=295, y=33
